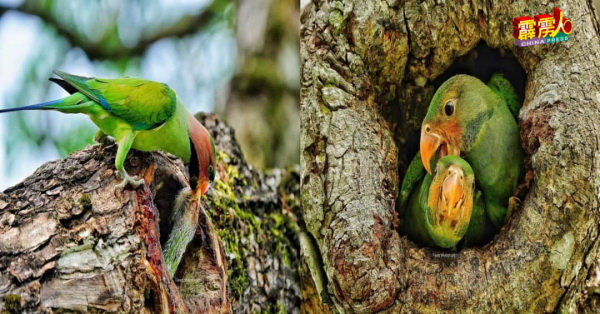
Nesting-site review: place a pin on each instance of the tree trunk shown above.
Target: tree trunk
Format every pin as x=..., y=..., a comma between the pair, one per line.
x=369, y=69
x=68, y=241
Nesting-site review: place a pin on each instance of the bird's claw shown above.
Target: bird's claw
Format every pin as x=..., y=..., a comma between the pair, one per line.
x=128, y=180
x=103, y=139
x=513, y=204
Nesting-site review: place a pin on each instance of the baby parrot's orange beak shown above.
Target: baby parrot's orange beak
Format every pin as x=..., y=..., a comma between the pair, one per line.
x=430, y=142
x=453, y=192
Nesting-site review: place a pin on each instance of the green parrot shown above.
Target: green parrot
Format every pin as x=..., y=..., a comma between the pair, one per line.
x=481, y=230
x=476, y=121
x=146, y=116
x=138, y=114
x=443, y=209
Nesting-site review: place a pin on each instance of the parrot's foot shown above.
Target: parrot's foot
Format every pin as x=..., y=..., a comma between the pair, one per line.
x=513, y=204
x=128, y=180
x=102, y=138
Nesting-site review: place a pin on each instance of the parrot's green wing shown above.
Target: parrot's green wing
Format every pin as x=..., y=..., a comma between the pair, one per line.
x=415, y=183
x=414, y=215
x=481, y=229
x=501, y=86
x=142, y=104
x=412, y=177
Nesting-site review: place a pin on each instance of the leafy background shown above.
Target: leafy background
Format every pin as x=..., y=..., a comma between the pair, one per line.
x=239, y=59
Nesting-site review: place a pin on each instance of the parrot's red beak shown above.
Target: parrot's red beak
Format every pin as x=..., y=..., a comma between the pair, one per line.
x=204, y=185
x=432, y=143
x=453, y=193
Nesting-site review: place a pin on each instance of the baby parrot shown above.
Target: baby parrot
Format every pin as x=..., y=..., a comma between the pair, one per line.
x=470, y=119
x=437, y=210
x=147, y=116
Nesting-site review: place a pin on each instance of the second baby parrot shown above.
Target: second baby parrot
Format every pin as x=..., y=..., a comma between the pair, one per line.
x=146, y=116
x=476, y=121
x=443, y=209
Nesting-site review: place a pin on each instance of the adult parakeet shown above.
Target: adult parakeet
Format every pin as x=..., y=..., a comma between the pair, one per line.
x=139, y=114
x=469, y=119
x=147, y=116
x=442, y=209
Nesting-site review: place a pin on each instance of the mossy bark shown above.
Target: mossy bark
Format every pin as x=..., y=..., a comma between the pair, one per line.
x=366, y=82
x=70, y=242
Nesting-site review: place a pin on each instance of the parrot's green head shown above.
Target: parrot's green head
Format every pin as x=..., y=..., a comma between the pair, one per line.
x=450, y=201
x=203, y=157
x=455, y=116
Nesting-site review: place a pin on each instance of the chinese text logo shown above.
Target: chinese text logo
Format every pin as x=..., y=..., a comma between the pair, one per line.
x=541, y=29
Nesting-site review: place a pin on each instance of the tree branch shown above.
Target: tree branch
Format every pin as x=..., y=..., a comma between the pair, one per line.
x=188, y=24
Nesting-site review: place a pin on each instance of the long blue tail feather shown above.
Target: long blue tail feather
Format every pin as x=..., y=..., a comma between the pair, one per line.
x=43, y=106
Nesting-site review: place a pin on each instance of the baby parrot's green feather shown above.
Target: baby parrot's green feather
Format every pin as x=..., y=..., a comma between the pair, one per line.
x=184, y=224
x=412, y=178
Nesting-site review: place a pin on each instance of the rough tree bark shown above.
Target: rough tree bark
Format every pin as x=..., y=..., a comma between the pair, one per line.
x=367, y=73
x=68, y=241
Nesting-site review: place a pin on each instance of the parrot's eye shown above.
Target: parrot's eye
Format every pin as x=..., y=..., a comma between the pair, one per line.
x=211, y=173
x=449, y=108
